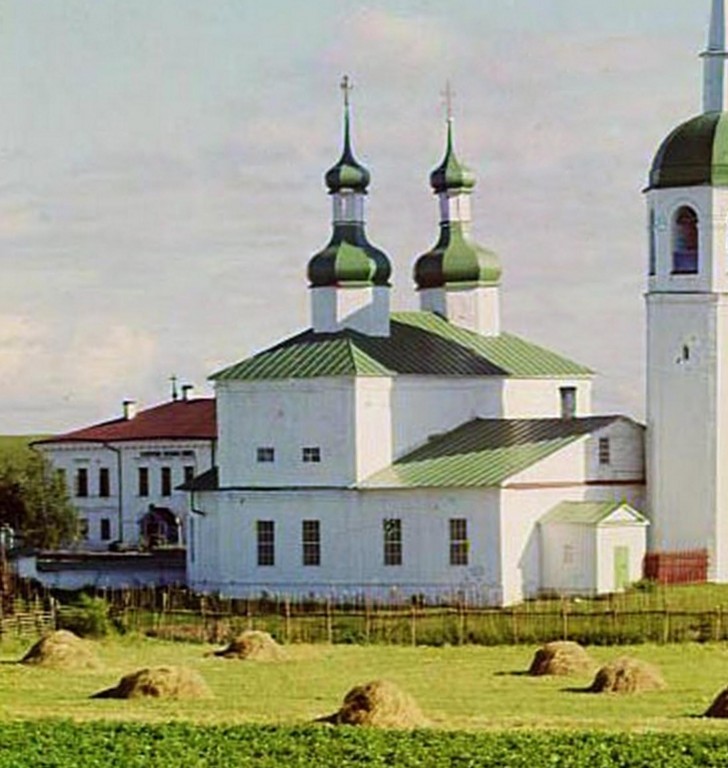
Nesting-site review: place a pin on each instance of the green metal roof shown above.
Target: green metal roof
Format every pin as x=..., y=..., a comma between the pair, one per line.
x=420, y=343
x=695, y=153
x=588, y=512
x=484, y=452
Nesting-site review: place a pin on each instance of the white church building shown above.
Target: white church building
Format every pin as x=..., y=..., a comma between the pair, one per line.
x=427, y=453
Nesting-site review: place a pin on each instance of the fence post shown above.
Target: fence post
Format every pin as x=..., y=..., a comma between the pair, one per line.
x=514, y=625
x=666, y=627
x=413, y=624
x=287, y=616
x=565, y=620
x=461, y=622
x=329, y=623
x=718, y=623
x=367, y=619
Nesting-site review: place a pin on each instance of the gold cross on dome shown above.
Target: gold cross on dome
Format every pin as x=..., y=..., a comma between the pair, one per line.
x=347, y=87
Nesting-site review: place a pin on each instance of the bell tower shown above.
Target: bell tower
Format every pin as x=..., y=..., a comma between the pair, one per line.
x=687, y=324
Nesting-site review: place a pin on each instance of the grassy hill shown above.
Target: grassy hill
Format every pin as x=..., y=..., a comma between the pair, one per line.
x=15, y=449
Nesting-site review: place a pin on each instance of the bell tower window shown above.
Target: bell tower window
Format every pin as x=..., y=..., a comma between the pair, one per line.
x=685, y=242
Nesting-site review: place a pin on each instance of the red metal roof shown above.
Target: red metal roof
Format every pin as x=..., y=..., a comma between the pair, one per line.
x=178, y=419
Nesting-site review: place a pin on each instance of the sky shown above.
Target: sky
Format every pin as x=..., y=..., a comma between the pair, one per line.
x=162, y=161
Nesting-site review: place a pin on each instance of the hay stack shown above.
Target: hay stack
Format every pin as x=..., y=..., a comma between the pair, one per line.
x=159, y=683
x=719, y=707
x=627, y=675
x=254, y=646
x=64, y=650
x=561, y=657
x=378, y=704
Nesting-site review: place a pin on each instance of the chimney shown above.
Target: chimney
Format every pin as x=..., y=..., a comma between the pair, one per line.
x=129, y=407
x=187, y=391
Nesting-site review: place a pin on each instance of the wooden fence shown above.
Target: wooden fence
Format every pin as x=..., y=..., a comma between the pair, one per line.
x=176, y=613
x=28, y=620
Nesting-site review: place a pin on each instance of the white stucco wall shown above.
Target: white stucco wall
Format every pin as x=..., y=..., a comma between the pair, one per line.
x=351, y=543
x=569, y=558
x=287, y=416
x=540, y=398
x=684, y=413
x=124, y=512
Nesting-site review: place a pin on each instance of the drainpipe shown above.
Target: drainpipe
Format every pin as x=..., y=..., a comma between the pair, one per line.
x=120, y=489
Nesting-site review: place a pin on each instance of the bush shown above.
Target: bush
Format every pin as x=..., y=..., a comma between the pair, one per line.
x=88, y=617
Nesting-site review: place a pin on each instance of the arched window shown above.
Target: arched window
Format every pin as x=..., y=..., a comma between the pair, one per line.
x=685, y=241
x=653, y=243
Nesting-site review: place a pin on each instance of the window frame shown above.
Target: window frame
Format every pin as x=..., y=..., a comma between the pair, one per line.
x=678, y=232
x=311, y=543
x=265, y=535
x=104, y=483
x=392, y=541
x=105, y=529
x=311, y=454
x=459, y=542
x=189, y=473
x=568, y=401
x=265, y=454
x=143, y=482
x=604, y=452
x=81, y=483
x=165, y=481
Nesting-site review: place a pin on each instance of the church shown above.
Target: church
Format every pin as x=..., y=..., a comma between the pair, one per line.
x=427, y=453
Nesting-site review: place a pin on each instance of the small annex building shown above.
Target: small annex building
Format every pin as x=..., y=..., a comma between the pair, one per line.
x=123, y=475
x=592, y=547
x=398, y=454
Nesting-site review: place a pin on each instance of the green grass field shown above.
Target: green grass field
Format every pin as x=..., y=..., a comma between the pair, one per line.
x=468, y=688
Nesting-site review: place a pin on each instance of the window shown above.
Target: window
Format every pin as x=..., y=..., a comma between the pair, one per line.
x=105, y=529
x=82, y=482
x=604, y=451
x=459, y=541
x=685, y=242
x=311, y=454
x=166, y=477
x=653, y=244
x=569, y=555
x=265, y=455
x=392, y=542
x=189, y=474
x=311, y=537
x=568, y=402
x=143, y=478
x=104, y=484
x=266, y=542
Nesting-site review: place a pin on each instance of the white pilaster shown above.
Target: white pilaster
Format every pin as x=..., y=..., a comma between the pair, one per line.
x=357, y=308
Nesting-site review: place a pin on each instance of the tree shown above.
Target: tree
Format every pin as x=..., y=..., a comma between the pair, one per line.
x=34, y=502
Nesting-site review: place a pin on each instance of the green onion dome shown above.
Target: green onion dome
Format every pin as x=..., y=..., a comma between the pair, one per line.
x=695, y=153
x=349, y=259
x=451, y=173
x=456, y=259
x=348, y=173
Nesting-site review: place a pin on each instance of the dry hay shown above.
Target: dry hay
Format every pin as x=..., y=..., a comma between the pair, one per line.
x=719, y=707
x=254, y=646
x=62, y=649
x=159, y=683
x=627, y=675
x=561, y=657
x=378, y=704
